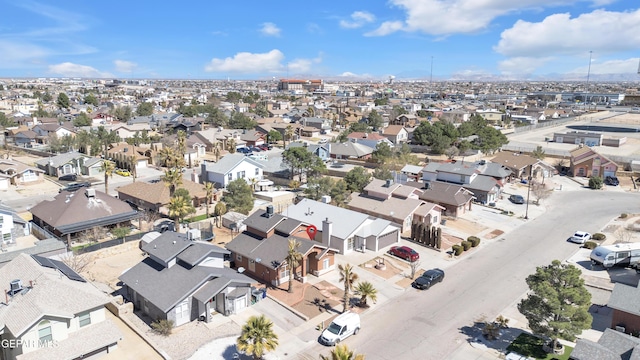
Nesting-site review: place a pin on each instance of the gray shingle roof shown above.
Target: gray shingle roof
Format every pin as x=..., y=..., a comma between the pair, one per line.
x=59, y=160
x=350, y=149
x=612, y=345
x=271, y=251
x=445, y=193
x=287, y=226
x=198, y=251
x=345, y=221
x=229, y=162
x=625, y=298
x=213, y=287
x=167, y=246
x=259, y=221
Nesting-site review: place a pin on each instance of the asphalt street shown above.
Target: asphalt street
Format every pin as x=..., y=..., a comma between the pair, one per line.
x=433, y=324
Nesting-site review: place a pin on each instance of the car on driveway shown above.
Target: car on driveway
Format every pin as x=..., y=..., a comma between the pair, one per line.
x=580, y=237
x=68, y=177
x=611, y=180
x=404, y=252
x=123, y=172
x=75, y=186
x=516, y=199
x=428, y=279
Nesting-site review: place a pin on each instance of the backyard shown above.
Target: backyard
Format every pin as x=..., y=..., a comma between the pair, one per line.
x=529, y=345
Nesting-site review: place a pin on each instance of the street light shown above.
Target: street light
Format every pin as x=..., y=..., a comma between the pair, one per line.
x=526, y=214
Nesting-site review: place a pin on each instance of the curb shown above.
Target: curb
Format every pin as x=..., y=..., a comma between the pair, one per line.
x=292, y=310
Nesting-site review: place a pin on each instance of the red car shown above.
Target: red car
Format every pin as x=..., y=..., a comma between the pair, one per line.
x=404, y=252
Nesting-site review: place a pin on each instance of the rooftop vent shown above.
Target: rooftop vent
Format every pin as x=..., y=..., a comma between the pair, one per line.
x=91, y=193
x=269, y=212
x=16, y=286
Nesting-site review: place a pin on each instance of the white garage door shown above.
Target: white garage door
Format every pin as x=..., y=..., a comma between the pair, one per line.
x=388, y=239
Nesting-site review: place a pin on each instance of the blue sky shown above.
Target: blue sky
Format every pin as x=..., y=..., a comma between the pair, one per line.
x=354, y=39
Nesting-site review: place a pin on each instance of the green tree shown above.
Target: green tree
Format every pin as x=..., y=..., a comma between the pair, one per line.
x=274, y=136
x=234, y=97
x=558, y=302
x=490, y=140
x=375, y=120
x=217, y=118
x=297, y=159
x=5, y=121
x=91, y=100
x=317, y=187
x=381, y=101
x=339, y=192
x=357, y=178
x=241, y=121
x=366, y=291
x=63, y=101
x=382, y=173
x=288, y=134
x=179, y=207
x=342, y=352
x=595, y=182
x=383, y=152
x=293, y=260
x=47, y=97
x=231, y=146
x=145, y=109
x=239, y=196
x=359, y=127
x=122, y=113
x=82, y=120
x=348, y=278
x=538, y=153
x=257, y=337
x=107, y=167
x=105, y=138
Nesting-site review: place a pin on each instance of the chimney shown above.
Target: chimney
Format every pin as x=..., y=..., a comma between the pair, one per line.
x=389, y=182
x=269, y=212
x=327, y=230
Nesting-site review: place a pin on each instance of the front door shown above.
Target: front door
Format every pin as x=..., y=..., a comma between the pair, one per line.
x=182, y=312
x=252, y=266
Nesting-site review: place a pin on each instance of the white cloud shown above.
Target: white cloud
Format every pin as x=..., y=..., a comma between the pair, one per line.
x=358, y=19
x=69, y=69
x=250, y=63
x=518, y=66
x=270, y=29
x=559, y=34
x=124, y=66
x=624, y=66
x=303, y=65
x=444, y=17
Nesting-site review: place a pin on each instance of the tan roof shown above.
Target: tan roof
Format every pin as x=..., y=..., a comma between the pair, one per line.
x=576, y=156
x=393, y=130
x=158, y=193
x=400, y=208
x=514, y=160
x=52, y=294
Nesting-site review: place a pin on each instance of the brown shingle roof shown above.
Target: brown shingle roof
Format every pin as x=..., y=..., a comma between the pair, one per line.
x=158, y=193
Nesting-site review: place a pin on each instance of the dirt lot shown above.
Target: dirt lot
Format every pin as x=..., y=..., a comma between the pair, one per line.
x=310, y=300
x=106, y=265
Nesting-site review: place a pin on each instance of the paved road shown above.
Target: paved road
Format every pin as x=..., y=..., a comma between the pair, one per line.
x=433, y=324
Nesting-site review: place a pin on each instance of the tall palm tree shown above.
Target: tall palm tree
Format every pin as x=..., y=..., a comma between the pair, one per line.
x=231, y=146
x=179, y=207
x=181, y=145
x=366, y=290
x=107, y=167
x=209, y=188
x=172, y=178
x=219, y=210
x=342, y=352
x=348, y=277
x=217, y=150
x=257, y=337
x=167, y=156
x=288, y=134
x=293, y=259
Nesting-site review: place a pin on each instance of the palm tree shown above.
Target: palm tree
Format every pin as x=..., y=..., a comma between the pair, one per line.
x=219, y=210
x=293, y=259
x=209, y=188
x=167, y=156
x=288, y=134
x=366, y=290
x=217, y=150
x=107, y=167
x=257, y=337
x=179, y=207
x=342, y=352
x=172, y=178
x=231, y=146
x=181, y=145
x=348, y=277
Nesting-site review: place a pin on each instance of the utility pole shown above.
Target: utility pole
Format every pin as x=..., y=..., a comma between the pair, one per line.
x=588, y=75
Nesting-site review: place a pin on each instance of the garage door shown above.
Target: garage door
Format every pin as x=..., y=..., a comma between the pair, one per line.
x=142, y=164
x=388, y=239
x=609, y=173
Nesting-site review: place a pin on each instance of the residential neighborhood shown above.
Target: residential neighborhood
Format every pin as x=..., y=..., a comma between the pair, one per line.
x=166, y=216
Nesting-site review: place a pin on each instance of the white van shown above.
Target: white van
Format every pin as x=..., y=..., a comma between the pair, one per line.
x=340, y=328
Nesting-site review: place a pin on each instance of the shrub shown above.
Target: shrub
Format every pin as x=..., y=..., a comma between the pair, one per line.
x=457, y=250
x=623, y=215
x=162, y=327
x=474, y=240
x=595, y=182
x=599, y=236
x=590, y=245
x=466, y=245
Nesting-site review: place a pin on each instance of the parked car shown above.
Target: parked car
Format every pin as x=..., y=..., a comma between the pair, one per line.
x=265, y=147
x=429, y=278
x=611, y=180
x=341, y=327
x=323, y=141
x=122, y=172
x=244, y=150
x=404, y=252
x=516, y=199
x=68, y=177
x=580, y=237
x=75, y=186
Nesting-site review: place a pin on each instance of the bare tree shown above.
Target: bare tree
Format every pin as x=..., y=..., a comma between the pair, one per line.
x=624, y=234
x=414, y=266
x=77, y=262
x=150, y=217
x=540, y=192
x=93, y=235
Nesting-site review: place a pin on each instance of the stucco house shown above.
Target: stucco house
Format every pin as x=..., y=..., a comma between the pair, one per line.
x=586, y=162
x=229, y=168
x=16, y=173
x=184, y=280
x=51, y=312
x=63, y=164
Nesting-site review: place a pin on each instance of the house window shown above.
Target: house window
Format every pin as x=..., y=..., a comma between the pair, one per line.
x=257, y=171
x=238, y=257
x=84, y=319
x=325, y=264
x=6, y=237
x=435, y=220
x=230, y=177
x=1, y=220
x=351, y=243
x=240, y=174
x=44, y=331
x=284, y=272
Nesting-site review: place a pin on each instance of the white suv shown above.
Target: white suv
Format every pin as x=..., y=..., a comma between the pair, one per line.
x=580, y=237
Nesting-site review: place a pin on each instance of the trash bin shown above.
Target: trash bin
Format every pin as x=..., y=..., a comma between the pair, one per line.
x=443, y=222
x=264, y=293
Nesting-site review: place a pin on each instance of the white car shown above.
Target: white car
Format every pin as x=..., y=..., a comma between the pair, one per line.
x=580, y=237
